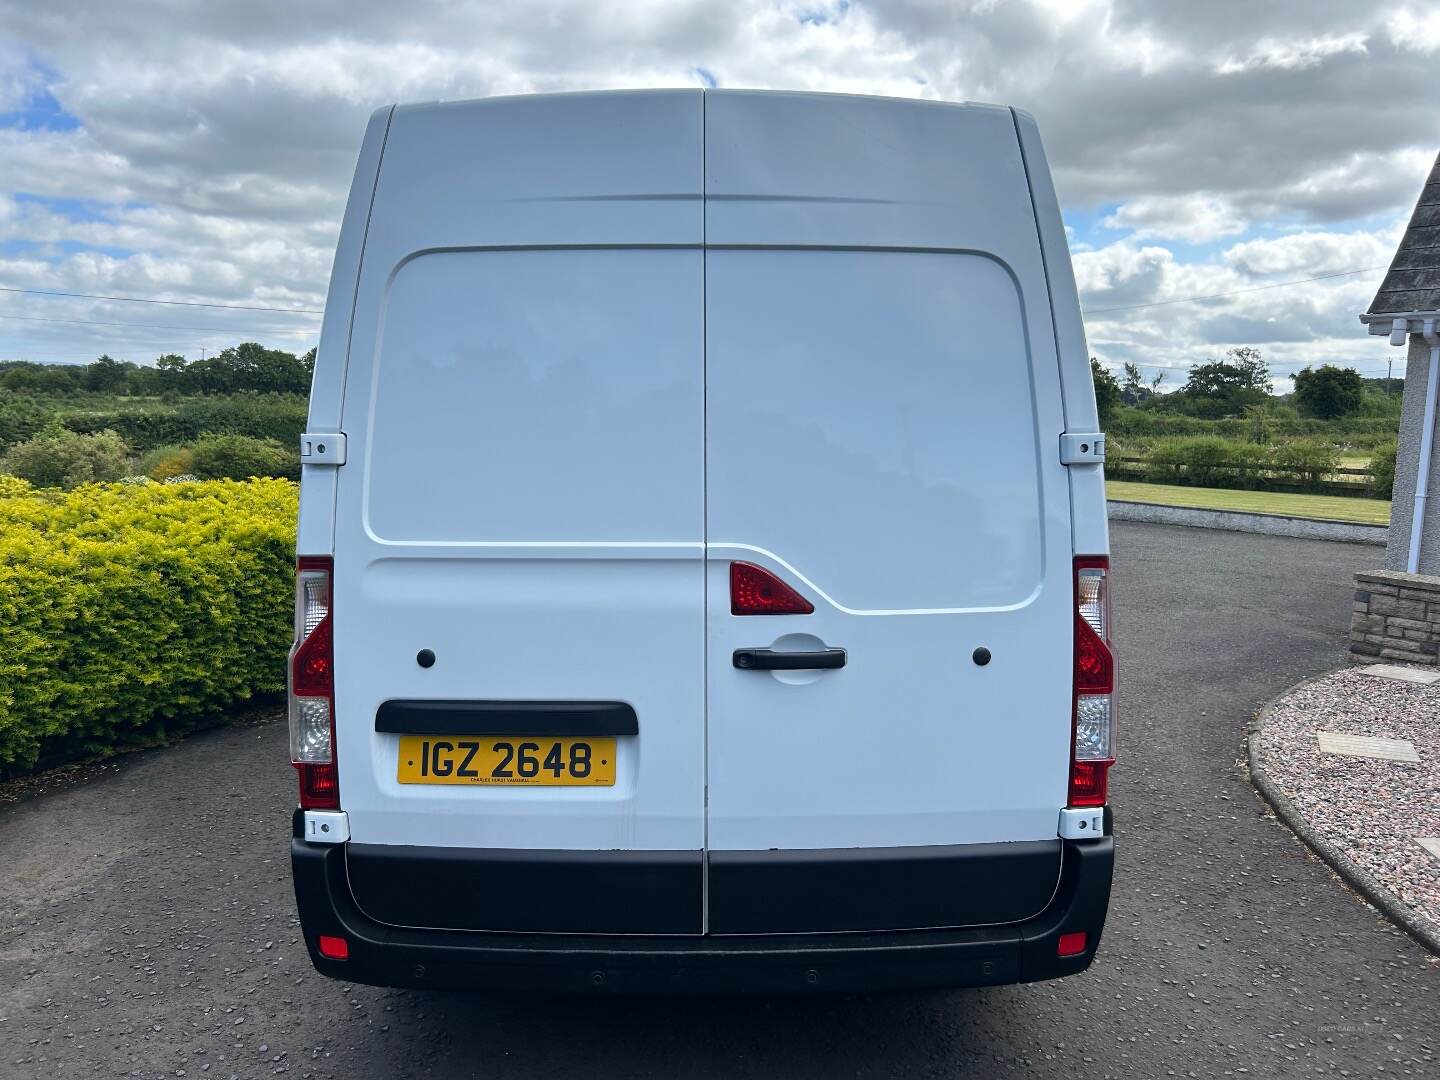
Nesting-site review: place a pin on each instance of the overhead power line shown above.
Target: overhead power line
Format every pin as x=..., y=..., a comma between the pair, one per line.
x=158, y=326
x=1234, y=292
x=173, y=303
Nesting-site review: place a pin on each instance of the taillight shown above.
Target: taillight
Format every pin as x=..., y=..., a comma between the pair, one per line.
x=312, y=686
x=756, y=591
x=1093, y=723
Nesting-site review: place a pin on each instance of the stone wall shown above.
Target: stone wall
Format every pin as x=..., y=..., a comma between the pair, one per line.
x=1396, y=617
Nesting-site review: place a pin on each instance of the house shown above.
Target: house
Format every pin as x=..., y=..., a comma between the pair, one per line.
x=1397, y=612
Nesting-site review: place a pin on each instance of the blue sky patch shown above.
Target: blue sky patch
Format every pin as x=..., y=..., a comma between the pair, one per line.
x=74, y=209
x=41, y=112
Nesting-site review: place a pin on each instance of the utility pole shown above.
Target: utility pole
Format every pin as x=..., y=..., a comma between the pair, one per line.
x=1389, y=369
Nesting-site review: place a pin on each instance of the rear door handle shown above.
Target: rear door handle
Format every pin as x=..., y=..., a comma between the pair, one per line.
x=770, y=660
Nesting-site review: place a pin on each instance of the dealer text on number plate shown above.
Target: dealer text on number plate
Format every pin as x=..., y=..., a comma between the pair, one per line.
x=462, y=759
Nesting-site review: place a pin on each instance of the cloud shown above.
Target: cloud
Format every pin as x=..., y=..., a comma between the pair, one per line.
x=1312, y=253
x=204, y=150
x=1197, y=218
x=1294, y=53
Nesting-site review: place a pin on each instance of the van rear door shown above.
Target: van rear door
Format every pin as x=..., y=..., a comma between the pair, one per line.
x=519, y=527
x=883, y=416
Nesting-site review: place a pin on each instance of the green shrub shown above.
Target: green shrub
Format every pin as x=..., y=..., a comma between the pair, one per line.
x=166, y=461
x=1306, y=461
x=20, y=418
x=237, y=457
x=1382, y=468
x=1205, y=461
x=59, y=458
x=149, y=424
x=128, y=611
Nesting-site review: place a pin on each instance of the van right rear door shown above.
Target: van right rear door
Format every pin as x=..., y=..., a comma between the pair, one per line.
x=883, y=412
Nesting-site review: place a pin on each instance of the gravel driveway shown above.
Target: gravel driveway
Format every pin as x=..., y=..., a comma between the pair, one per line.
x=1373, y=809
x=147, y=928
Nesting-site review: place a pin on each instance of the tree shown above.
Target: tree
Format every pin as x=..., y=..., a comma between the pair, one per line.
x=1328, y=391
x=1133, y=388
x=1225, y=387
x=249, y=366
x=1107, y=391
x=107, y=374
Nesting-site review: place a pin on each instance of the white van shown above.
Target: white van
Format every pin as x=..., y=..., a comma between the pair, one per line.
x=702, y=554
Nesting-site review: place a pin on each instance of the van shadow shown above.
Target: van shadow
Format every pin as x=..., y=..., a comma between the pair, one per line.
x=958, y=1033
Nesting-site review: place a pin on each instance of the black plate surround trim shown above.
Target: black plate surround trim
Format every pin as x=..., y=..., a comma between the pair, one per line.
x=539, y=718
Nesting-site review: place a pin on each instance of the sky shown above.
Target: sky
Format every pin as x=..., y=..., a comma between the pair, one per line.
x=202, y=151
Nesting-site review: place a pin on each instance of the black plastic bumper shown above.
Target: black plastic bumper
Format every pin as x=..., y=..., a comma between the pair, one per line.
x=391, y=956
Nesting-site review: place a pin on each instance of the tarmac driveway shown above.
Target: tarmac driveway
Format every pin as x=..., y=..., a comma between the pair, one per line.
x=147, y=926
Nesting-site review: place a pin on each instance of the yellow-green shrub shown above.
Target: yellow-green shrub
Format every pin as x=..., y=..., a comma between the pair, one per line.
x=166, y=461
x=127, y=611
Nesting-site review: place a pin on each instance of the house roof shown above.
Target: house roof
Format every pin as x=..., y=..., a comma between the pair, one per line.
x=1413, y=281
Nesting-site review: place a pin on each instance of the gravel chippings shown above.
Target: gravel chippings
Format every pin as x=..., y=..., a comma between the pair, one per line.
x=1373, y=810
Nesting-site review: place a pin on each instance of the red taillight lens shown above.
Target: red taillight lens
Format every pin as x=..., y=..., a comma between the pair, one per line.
x=1093, y=720
x=756, y=591
x=337, y=948
x=1088, y=783
x=319, y=785
x=1072, y=944
x=312, y=686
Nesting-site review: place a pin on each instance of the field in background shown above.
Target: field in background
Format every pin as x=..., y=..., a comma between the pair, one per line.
x=1323, y=507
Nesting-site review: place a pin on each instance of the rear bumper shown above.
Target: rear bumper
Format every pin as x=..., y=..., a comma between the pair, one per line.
x=392, y=956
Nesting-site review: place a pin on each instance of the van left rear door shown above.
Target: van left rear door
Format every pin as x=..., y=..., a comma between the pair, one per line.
x=523, y=500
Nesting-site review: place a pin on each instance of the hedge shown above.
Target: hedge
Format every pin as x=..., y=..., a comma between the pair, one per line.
x=129, y=611
x=1209, y=461
x=1361, y=432
x=149, y=424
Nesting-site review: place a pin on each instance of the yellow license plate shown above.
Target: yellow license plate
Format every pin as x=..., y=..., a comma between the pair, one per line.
x=463, y=759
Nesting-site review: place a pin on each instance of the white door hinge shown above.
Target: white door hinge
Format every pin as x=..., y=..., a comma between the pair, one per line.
x=322, y=448
x=326, y=827
x=1085, y=449
x=1082, y=823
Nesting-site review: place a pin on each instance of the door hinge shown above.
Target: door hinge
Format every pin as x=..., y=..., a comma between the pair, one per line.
x=1082, y=823
x=322, y=448
x=326, y=826
x=1087, y=449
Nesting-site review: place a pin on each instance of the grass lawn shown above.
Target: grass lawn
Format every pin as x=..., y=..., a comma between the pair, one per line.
x=1325, y=507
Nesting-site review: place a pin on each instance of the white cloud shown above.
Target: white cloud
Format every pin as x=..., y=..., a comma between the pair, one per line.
x=1196, y=218
x=1419, y=31
x=1312, y=253
x=1293, y=53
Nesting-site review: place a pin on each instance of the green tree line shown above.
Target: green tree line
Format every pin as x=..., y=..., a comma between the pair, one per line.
x=248, y=367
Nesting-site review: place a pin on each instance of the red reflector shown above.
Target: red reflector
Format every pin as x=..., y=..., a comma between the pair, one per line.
x=1070, y=944
x=756, y=591
x=1089, y=781
x=1094, y=663
x=337, y=948
x=319, y=785
x=312, y=670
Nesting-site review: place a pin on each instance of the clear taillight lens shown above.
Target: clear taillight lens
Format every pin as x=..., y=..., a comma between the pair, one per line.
x=1093, y=746
x=1090, y=594
x=312, y=686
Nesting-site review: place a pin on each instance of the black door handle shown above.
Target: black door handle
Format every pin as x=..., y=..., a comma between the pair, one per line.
x=770, y=660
